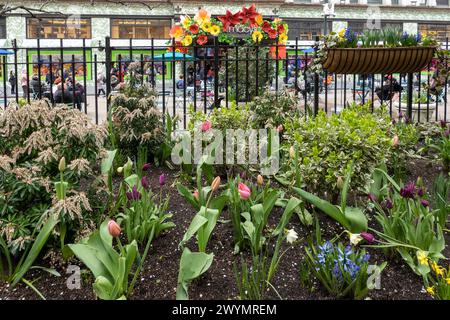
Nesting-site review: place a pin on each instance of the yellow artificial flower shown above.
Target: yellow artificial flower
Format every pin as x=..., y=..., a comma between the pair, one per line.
x=187, y=40
x=422, y=257
x=214, y=30
x=259, y=19
x=282, y=38
x=206, y=26
x=277, y=20
x=430, y=290
x=186, y=21
x=257, y=36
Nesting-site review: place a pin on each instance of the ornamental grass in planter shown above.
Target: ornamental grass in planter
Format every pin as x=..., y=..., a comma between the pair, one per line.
x=375, y=51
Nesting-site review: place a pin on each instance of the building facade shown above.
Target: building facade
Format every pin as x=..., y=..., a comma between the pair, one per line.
x=89, y=22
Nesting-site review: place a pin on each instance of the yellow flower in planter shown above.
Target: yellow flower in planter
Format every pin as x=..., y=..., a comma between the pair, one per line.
x=341, y=33
x=214, y=30
x=282, y=38
x=257, y=36
x=186, y=41
x=186, y=22
x=206, y=26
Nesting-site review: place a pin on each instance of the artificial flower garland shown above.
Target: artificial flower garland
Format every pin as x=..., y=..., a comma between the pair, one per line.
x=199, y=28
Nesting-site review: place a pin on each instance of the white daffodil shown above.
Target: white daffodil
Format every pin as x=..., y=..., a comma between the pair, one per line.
x=355, y=238
x=291, y=236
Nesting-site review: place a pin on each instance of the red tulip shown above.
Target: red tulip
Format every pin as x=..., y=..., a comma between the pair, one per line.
x=113, y=228
x=244, y=191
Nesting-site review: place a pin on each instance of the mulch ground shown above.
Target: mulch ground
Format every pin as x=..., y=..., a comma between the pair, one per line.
x=158, y=279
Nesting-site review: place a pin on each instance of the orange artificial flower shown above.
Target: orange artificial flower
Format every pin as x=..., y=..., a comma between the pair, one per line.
x=202, y=16
x=281, y=52
x=259, y=19
x=176, y=32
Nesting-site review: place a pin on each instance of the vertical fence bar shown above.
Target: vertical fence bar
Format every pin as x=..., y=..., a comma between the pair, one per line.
x=39, y=69
x=446, y=83
x=5, y=76
x=226, y=78
x=85, y=76
x=50, y=59
x=257, y=68
x=74, y=94
x=153, y=71
x=216, y=72
x=172, y=64
x=410, y=96
x=195, y=77
x=184, y=91
x=296, y=68
x=237, y=74
x=27, y=62
x=16, y=70
x=316, y=82
x=276, y=69
x=247, y=73
x=108, y=71
x=63, y=80
x=96, y=89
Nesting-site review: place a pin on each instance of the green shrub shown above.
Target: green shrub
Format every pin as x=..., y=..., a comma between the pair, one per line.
x=135, y=121
x=327, y=144
x=33, y=139
x=271, y=109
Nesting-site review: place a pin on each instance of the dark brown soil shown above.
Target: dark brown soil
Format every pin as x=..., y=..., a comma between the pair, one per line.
x=158, y=279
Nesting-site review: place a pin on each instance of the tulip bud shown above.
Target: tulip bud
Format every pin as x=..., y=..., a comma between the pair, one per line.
x=119, y=170
x=340, y=183
x=62, y=164
x=394, y=141
x=215, y=184
x=146, y=167
x=424, y=202
x=260, y=180
x=292, y=152
x=419, y=181
x=113, y=228
x=195, y=194
x=280, y=128
x=367, y=236
x=162, y=179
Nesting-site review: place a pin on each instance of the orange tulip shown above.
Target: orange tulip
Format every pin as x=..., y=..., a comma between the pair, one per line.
x=215, y=184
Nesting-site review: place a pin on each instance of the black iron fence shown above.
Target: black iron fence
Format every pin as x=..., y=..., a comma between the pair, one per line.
x=207, y=76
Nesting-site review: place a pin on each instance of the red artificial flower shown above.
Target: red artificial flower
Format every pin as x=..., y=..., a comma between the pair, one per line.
x=249, y=14
x=194, y=28
x=272, y=34
x=266, y=27
x=230, y=19
x=202, y=39
x=281, y=52
x=281, y=28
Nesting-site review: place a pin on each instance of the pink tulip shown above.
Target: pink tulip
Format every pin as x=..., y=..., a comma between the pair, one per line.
x=206, y=125
x=162, y=179
x=280, y=128
x=195, y=194
x=113, y=228
x=244, y=191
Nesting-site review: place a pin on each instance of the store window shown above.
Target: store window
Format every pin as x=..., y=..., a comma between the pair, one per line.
x=2, y=28
x=440, y=31
x=361, y=26
x=442, y=3
x=140, y=28
x=58, y=28
x=306, y=30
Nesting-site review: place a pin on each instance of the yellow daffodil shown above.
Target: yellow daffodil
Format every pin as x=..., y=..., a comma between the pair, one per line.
x=422, y=257
x=186, y=22
x=259, y=19
x=214, y=30
x=440, y=271
x=430, y=290
x=341, y=33
x=187, y=40
x=282, y=38
x=447, y=280
x=206, y=26
x=257, y=36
